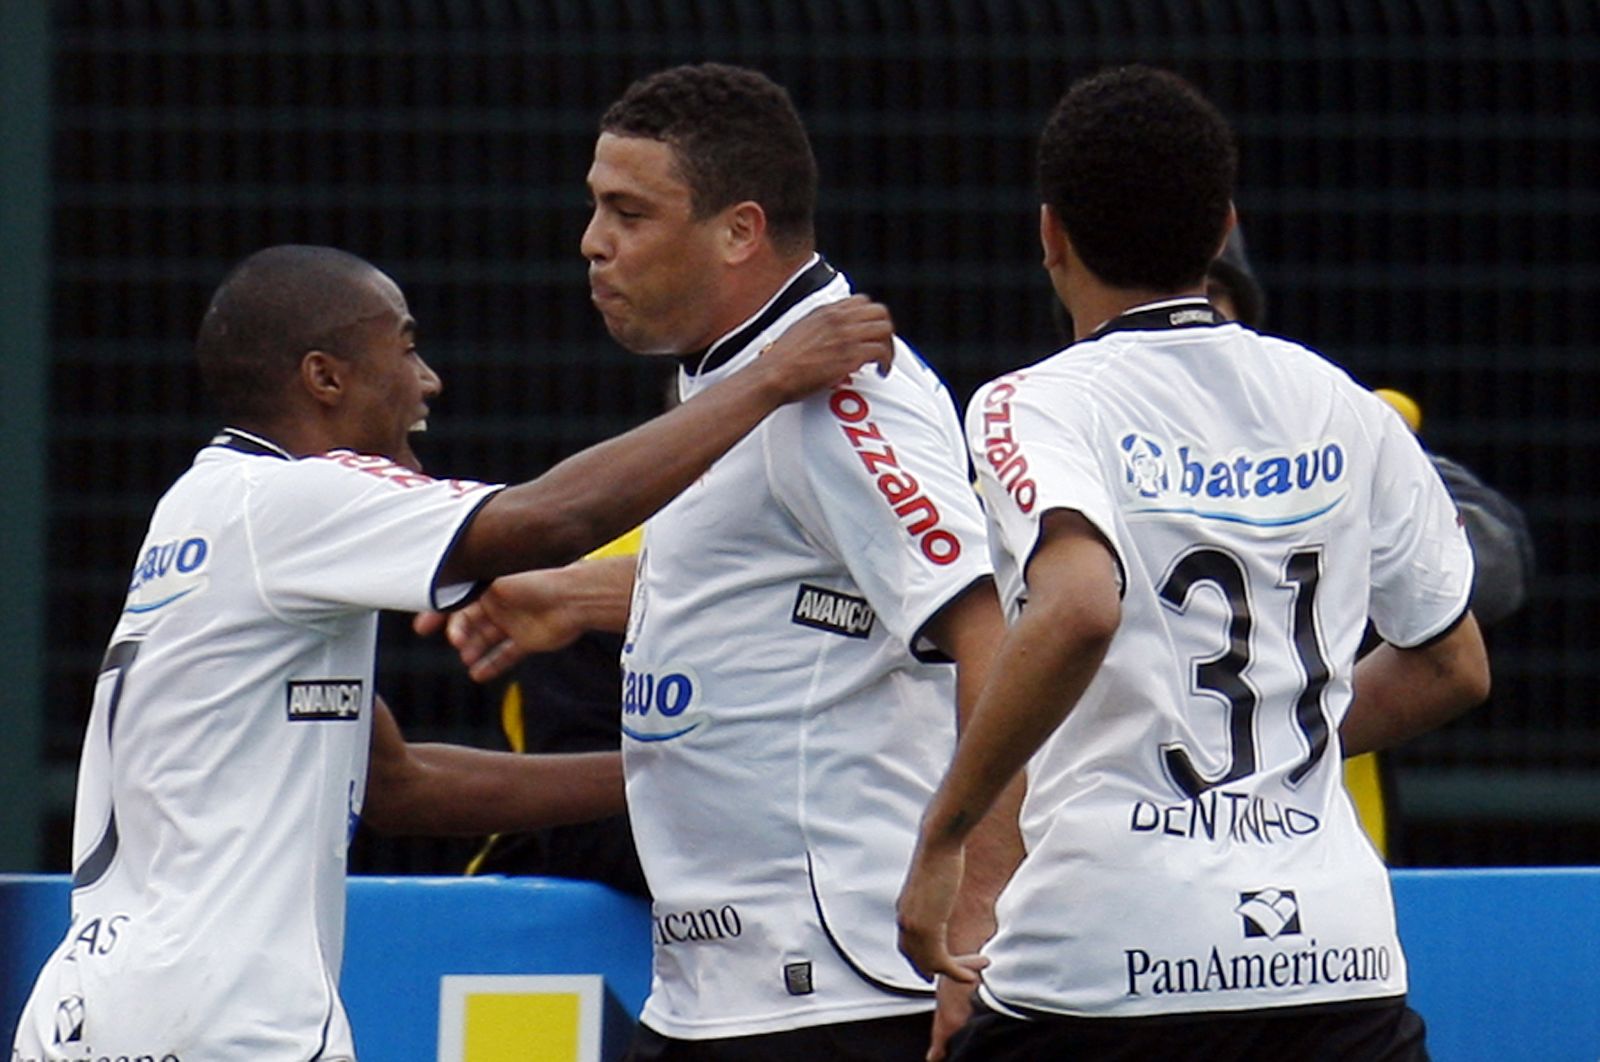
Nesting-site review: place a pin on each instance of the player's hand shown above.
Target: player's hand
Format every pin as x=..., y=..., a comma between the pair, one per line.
x=517, y=615
x=923, y=912
x=828, y=344
x=953, y=1006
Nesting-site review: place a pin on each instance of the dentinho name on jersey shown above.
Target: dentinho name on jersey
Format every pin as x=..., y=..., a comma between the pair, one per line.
x=917, y=512
x=325, y=699
x=1242, y=818
x=831, y=610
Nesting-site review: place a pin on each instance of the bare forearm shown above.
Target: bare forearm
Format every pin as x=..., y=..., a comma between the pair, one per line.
x=596, y=495
x=451, y=790
x=591, y=498
x=1401, y=693
x=596, y=594
x=962, y=859
x=993, y=850
x=1038, y=676
x=970, y=630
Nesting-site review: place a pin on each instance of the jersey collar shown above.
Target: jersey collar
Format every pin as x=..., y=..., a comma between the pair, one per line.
x=249, y=443
x=815, y=276
x=1190, y=312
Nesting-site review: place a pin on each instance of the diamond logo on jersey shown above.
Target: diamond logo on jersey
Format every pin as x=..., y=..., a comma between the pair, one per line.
x=1270, y=913
x=830, y=610
x=167, y=572
x=1265, y=488
x=325, y=699
x=69, y=1020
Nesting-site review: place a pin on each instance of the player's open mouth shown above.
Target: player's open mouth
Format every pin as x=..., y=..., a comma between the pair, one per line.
x=421, y=424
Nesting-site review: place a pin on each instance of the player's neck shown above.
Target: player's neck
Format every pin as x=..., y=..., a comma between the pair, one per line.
x=751, y=288
x=1093, y=304
x=296, y=438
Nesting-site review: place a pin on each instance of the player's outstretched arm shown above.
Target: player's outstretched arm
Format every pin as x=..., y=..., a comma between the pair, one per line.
x=535, y=612
x=592, y=497
x=1041, y=670
x=452, y=790
x=1400, y=693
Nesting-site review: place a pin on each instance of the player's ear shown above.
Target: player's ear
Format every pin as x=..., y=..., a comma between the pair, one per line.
x=744, y=229
x=1228, y=226
x=1052, y=237
x=322, y=375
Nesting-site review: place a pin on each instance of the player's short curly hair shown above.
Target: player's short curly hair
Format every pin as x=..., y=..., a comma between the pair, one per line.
x=270, y=310
x=1139, y=168
x=735, y=135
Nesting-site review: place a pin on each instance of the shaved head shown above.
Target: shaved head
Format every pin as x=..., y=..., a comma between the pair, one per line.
x=268, y=312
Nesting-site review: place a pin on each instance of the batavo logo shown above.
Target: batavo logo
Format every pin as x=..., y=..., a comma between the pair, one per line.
x=659, y=705
x=899, y=487
x=1265, y=489
x=167, y=572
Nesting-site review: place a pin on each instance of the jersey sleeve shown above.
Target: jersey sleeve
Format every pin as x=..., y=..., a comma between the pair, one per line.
x=875, y=472
x=1421, y=560
x=1034, y=453
x=345, y=530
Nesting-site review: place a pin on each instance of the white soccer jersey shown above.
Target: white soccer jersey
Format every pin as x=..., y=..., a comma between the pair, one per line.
x=226, y=757
x=1190, y=844
x=783, y=731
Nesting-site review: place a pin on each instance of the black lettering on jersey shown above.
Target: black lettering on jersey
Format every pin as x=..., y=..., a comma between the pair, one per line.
x=829, y=610
x=324, y=699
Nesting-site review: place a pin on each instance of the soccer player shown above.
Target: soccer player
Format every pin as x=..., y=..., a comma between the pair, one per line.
x=788, y=701
x=1190, y=523
x=226, y=759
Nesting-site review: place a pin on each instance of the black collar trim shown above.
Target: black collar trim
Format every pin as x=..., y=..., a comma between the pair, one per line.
x=815, y=277
x=249, y=443
x=1176, y=313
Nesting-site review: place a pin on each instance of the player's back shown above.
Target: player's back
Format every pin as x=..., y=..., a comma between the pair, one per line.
x=1258, y=502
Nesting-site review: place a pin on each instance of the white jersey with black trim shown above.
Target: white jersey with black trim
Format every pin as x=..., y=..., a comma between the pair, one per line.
x=785, y=723
x=225, y=761
x=1190, y=844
